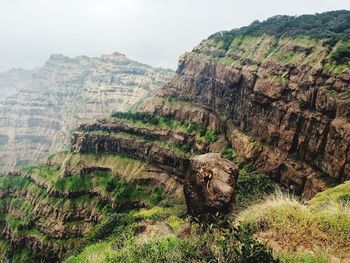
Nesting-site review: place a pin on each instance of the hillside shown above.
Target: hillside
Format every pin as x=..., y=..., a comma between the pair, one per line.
x=243, y=156
x=45, y=106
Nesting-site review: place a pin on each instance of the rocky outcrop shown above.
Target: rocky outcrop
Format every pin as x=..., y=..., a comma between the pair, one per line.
x=210, y=185
x=144, y=150
x=114, y=125
x=38, y=117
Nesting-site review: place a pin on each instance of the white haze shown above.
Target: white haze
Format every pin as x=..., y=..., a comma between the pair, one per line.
x=156, y=32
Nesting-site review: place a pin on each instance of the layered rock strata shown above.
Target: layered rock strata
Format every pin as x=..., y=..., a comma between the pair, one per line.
x=38, y=117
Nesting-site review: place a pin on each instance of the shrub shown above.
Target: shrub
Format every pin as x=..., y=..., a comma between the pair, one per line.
x=111, y=185
x=329, y=25
x=252, y=186
x=229, y=153
x=156, y=196
x=210, y=136
x=341, y=55
x=106, y=227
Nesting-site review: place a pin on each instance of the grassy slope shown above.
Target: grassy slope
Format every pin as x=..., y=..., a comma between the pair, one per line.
x=304, y=232
x=18, y=213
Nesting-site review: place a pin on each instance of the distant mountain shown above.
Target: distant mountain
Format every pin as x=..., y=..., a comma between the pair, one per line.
x=44, y=105
x=14, y=79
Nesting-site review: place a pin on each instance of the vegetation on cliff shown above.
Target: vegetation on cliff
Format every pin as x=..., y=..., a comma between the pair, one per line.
x=119, y=194
x=333, y=26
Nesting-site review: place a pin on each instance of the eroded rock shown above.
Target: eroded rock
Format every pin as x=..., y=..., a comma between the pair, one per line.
x=210, y=185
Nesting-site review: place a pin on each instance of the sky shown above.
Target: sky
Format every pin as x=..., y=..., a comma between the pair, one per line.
x=155, y=32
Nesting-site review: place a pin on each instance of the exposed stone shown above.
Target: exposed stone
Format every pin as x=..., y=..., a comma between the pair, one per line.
x=148, y=231
x=210, y=185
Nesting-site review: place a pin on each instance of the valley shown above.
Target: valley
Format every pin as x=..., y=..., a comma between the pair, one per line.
x=242, y=156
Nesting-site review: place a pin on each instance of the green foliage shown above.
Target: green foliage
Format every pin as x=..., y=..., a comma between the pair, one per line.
x=155, y=121
x=339, y=194
x=106, y=227
x=210, y=136
x=229, y=153
x=252, y=186
x=207, y=244
x=156, y=196
x=332, y=26
x=137, y=116
x=341, y=55
x=160, y=121
x=73, y=183
x=13, y=182
x=43, y=171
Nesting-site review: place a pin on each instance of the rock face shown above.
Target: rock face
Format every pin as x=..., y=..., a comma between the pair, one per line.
x=210, y=185
x=284, y=93
x=37, y=119
x=144, y=150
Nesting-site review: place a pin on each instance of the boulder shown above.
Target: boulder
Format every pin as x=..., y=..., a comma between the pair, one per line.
x=210, y=185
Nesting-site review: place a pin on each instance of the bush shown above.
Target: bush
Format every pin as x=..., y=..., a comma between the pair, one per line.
x=252, y=186
x=111, y=185
x=228, y=153
x=156, y=196
x=341, y=55
x=333, y=26
x=210, y=136
x=207, y=244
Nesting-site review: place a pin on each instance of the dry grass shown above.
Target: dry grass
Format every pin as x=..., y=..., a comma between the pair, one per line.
x=291, y=227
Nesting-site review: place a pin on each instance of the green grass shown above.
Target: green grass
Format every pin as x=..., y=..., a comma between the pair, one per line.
x=45, y=172
x=73, y=184
x=13, y=182
x=339, y=195
x=146, y=120
x=210, y=244
x=252, y=186
x=229, y=154
x=307, y=257
x=335, y=69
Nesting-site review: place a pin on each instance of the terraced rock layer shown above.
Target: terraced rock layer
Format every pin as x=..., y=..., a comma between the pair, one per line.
x=45, y=106
x=50, y=209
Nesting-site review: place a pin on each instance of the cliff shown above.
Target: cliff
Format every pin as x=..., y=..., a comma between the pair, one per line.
x=289, y=91
x=247, y=109
x=45, y=106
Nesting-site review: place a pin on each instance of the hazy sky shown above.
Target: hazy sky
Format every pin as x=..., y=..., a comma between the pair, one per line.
x=156, y=32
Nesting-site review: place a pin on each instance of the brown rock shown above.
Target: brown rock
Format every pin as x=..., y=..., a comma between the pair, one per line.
x=210, y=185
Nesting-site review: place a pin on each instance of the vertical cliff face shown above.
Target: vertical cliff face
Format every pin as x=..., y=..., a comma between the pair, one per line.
x=37, y=118
x=289, y=91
